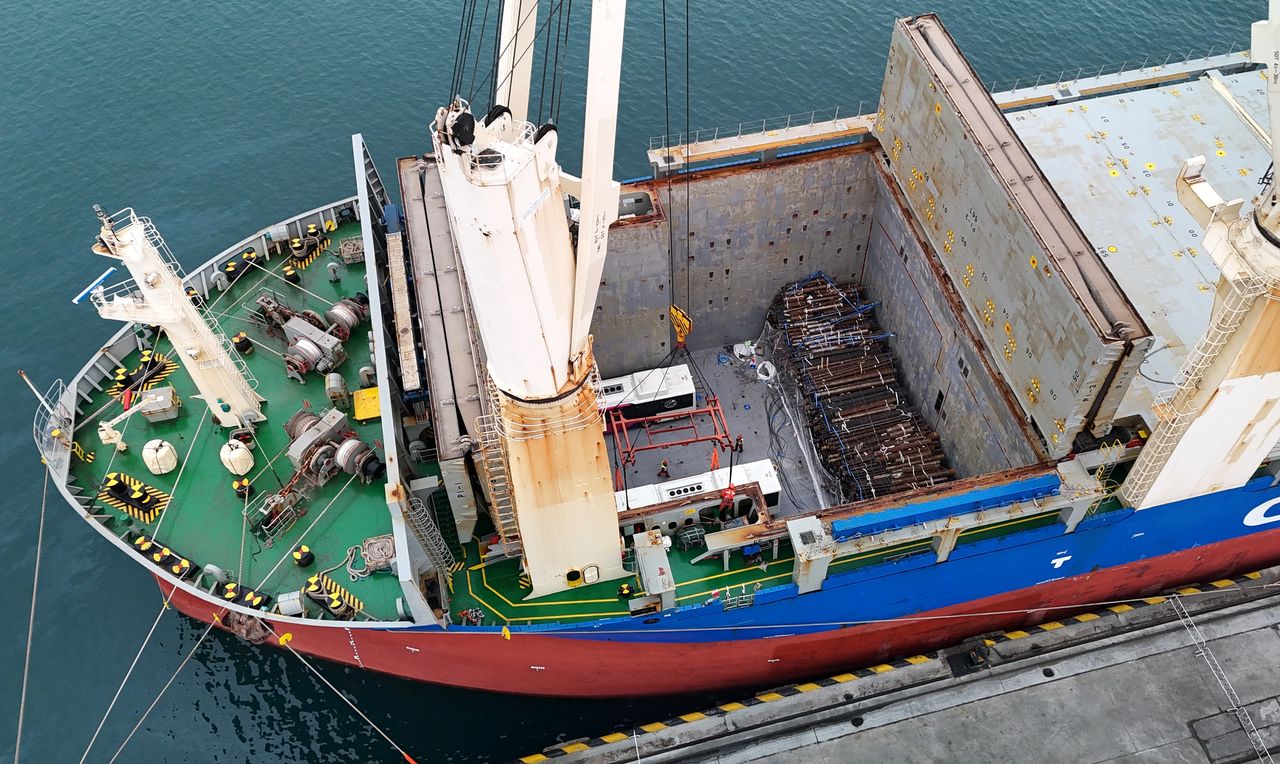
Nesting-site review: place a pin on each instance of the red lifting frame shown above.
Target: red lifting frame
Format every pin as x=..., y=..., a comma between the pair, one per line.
x=680, y=423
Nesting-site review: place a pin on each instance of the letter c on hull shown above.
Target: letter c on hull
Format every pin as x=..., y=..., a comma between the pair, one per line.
x=1258, y=515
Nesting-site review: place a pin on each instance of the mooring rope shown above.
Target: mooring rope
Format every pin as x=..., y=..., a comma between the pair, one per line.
x=31, y=619
x=160, y=694
x=127, y=674
x=351, y=703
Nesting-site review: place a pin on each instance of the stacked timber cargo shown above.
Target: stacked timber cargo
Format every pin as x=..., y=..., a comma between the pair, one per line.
x=864, y=428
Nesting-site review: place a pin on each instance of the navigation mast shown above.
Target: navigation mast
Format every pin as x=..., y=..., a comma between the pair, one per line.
x=156, y=296
x=534, y=292
x=1221, y=420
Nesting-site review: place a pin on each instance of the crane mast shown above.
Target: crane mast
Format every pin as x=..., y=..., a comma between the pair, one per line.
x=533, y=290
x=1222, y=418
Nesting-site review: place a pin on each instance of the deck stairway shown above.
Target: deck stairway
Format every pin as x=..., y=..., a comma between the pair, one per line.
x=493, y=457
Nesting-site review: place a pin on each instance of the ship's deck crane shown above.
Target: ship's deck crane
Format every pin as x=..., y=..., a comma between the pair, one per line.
x=1223, y=417
x=534, y=295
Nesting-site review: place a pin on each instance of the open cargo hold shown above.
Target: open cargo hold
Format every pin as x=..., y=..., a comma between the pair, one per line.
x=750, y=234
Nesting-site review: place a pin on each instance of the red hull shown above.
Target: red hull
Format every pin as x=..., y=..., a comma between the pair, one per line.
x=557, y=666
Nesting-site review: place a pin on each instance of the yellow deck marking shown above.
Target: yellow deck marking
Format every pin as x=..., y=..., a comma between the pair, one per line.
x=160, y=499
x=574, y=747
x=693, y=717
x=882, y=668
x=1120, y=608
x=1189, y=590
x=1153, y=600
x=916, y=660
x=536, y=758
x=560, y=617
x=1006, y=523
x=333, y=587
x=1086, y=617
x=1051, y=625
x=769, y=697
x=614, y=737
x=1016, y=634
x=1222, y=583
x=844, y=677
x=485, y=578
x=732, y=706
x=653, y=726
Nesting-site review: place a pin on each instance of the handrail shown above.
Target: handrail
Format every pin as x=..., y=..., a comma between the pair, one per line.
x=1064, y=77
x=749, y=127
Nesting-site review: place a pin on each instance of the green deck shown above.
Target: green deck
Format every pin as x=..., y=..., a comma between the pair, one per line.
x=204, y=520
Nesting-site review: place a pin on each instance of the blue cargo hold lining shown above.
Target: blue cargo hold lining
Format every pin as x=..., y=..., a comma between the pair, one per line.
x=958, y=504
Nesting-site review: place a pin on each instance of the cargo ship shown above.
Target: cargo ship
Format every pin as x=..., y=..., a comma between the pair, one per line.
x=814, y=395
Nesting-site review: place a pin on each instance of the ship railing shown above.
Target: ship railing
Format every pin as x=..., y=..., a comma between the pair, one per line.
x=585, y=413
x=493, y=166
x=228, y=349
x=753, y=126
x=53, y=429
x=125, y=290
x=1147, y=63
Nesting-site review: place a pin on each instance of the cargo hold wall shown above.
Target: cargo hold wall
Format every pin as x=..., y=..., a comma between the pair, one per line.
x=939, y=355
x=750, y=230
x=1062, y=333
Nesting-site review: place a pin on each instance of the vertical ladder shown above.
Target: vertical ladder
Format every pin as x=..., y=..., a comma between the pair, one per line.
x=1176, y=409
x=1202, y=649
x=378, y=198
x=424, y=527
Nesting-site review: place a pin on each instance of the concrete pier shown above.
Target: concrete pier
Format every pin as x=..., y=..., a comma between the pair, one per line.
x=1128, y=683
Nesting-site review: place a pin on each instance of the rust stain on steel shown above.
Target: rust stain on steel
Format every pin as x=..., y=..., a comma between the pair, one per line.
x=655, y=188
